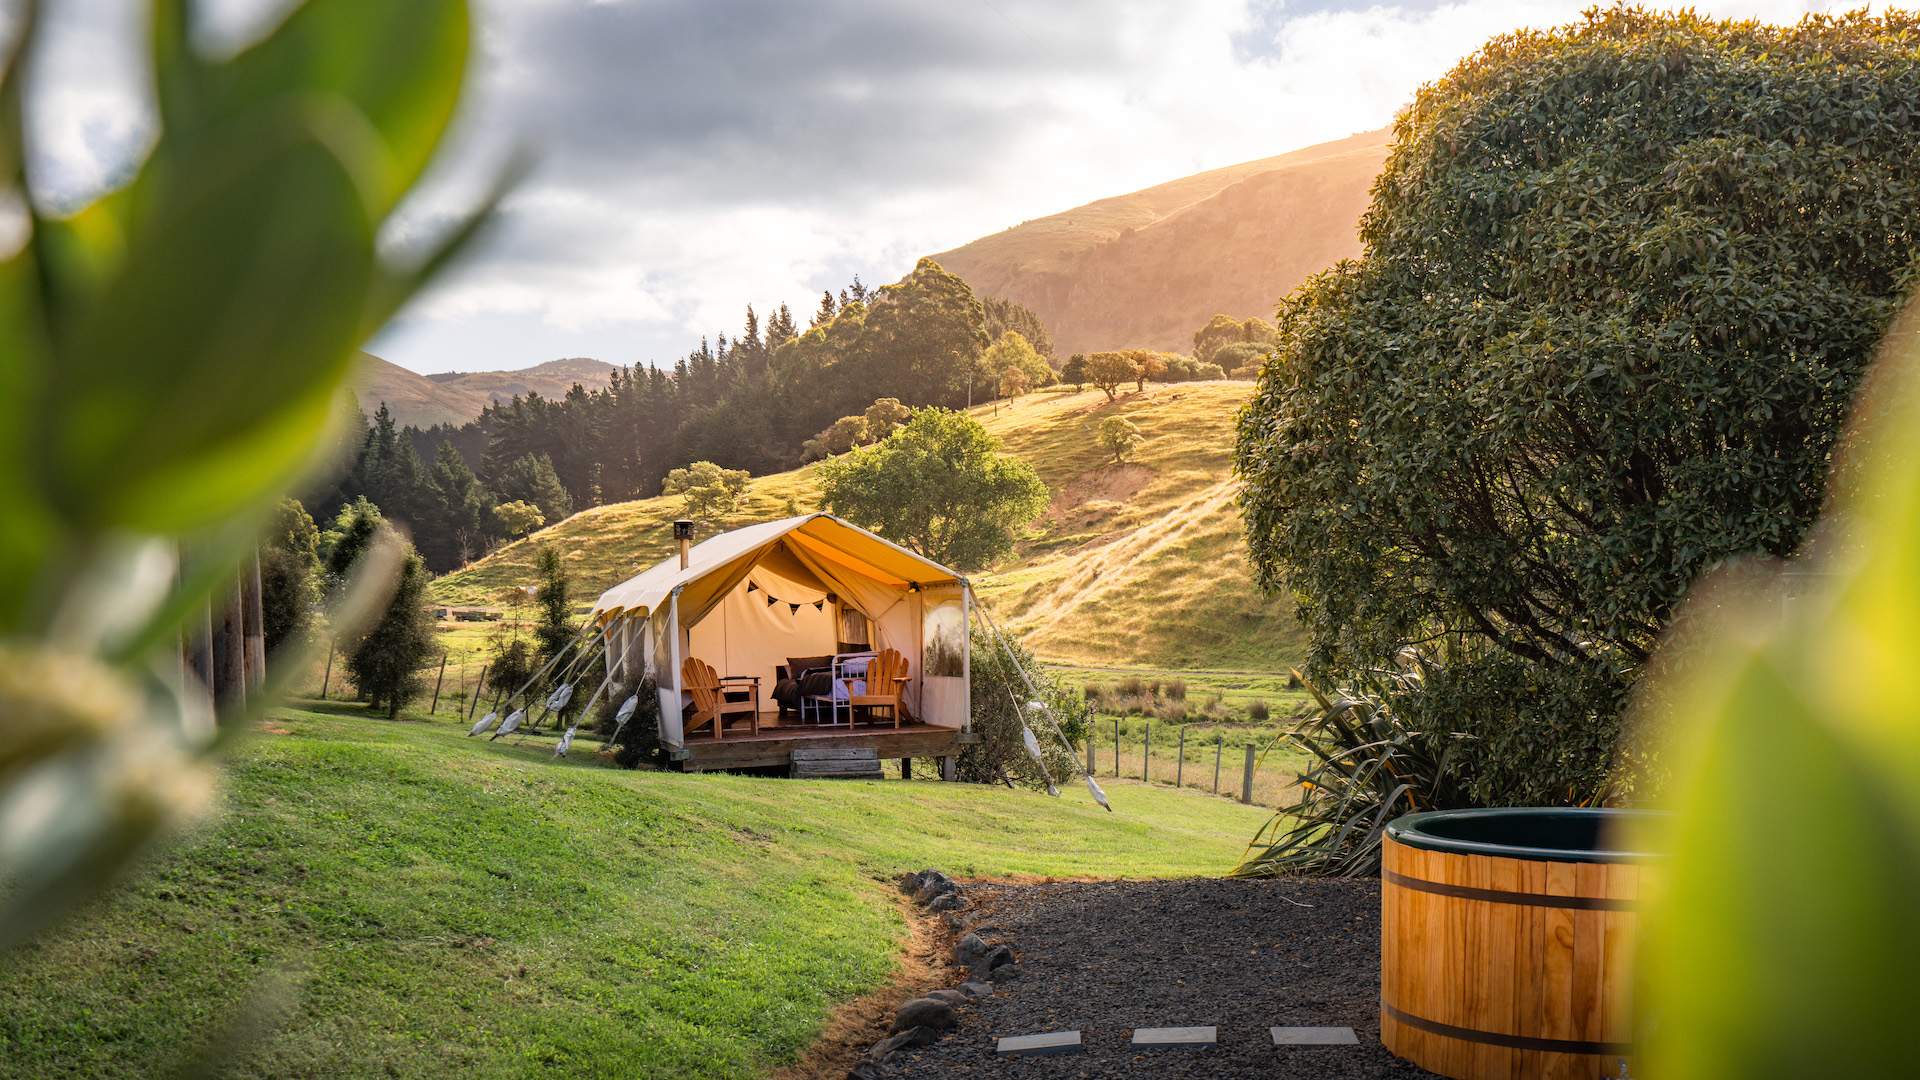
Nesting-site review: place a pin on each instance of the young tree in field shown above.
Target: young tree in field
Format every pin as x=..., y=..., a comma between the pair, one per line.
x=707, y=491
x=938, y=485
x=1525, y=424
x=1107, y=370
x=289, y=574
x=1147, y=364
x=1118, y=436
x=387, y=659
x=1075, y=371
x=516, y=519
x=554, y=628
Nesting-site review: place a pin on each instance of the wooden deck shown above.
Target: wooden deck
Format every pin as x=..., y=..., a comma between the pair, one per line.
x=775, y=743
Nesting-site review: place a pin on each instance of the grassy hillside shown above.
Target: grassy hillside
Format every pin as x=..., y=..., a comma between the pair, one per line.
x=1138, y=564
x=457, y=397
x=1149, y=268
x=383, y=899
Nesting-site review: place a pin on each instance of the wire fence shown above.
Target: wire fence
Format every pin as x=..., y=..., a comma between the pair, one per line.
x=1214, y=763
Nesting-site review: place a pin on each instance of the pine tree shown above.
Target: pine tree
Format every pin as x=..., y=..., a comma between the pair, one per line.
x=555, y=628
x=530, y=478
x=386, y=661
x=825, y=314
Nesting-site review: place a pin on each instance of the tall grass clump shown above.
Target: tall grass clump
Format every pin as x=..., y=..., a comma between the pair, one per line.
x=1368, y=765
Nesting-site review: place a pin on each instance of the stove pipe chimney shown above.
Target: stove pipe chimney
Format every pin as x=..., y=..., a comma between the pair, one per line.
x=683, y=532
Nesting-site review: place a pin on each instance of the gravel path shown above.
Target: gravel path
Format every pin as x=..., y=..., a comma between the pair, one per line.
x=1105, y=957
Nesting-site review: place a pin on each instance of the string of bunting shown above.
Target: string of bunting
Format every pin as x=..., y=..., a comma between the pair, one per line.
x=792, y=608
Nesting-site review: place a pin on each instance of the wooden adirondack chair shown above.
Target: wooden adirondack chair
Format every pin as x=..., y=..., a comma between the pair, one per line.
x=886, y=678
x=710, y=704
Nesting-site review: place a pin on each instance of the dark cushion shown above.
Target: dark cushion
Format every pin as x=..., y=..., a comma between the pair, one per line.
x=799, y=665
x=855, y=647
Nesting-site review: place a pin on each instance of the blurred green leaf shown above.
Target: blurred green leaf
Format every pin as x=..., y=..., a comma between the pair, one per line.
x=205, y=373
x=1782, y=941
x=399, y=64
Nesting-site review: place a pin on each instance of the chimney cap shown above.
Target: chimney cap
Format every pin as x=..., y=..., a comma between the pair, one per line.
x=683, y=529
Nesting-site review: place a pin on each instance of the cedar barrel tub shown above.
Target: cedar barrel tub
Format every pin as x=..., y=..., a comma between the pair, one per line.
x=1506, y=943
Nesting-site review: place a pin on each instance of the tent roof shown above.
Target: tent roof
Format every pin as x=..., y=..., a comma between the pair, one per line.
x=821, y=536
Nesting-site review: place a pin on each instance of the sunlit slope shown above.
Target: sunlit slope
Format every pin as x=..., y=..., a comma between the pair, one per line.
x=1149, y=268
x=1139, y=564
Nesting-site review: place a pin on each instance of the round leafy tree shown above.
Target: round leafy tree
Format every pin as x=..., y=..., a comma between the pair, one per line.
x=1620, y=282
x=939, y=485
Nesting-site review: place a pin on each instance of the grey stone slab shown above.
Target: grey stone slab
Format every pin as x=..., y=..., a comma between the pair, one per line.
x=1050, y=1042
x=1314, y=1036
x=1176, y=1038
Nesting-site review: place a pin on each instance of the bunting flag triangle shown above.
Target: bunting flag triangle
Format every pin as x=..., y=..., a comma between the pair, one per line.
x=751, y=586
x=793, y=609
x=770, y=601
x=819, y=605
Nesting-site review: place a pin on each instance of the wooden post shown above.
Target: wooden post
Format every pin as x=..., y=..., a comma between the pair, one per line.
x=1180, y=763
x=1116, y=747
x=906, y=768
x=1246, y=785
x=254, y=619
x=478, y=688
x=949, y=768
x=1146, y=754
x=1089, y=755
x=200, y=645
x=328, y=676
x=1218, y=741
x=437, y=680
x=230, y=651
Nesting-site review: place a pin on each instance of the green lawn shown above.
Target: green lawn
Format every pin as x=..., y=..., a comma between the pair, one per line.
x=393, y=900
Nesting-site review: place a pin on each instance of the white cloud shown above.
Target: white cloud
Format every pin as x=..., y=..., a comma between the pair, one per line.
x=697, y=156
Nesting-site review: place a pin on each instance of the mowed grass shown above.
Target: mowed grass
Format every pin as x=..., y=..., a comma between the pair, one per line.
x=390, y=899
x=1140, y=564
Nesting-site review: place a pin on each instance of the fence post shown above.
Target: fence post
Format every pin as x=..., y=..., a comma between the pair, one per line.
x=327, y=678
x=1146, y=754
x=1089, y=754
x=478, y=689
x=437, y=680
x=1246, y=785
x=1116, y=747
x=1218, y=742
x=1180, y=762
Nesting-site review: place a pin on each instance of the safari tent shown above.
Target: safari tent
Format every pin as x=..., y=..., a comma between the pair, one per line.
x=787, y=617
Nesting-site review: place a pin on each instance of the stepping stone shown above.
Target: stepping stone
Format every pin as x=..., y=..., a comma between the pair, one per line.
x=1175, y=1038
x=1314, y=1036
x=1051, y=1042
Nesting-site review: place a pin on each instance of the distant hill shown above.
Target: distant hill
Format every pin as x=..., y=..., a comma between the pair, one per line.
x=457, y=397
x=1139, y=564
x=1148, y=269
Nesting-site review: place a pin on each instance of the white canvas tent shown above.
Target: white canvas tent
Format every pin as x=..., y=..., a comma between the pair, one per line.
x=750, y=598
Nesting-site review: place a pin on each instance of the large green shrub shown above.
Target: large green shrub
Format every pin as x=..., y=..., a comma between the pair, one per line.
x=1620, y=283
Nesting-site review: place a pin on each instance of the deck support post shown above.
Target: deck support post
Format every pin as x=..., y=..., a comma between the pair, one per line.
x=949, y=768
x=906, y=768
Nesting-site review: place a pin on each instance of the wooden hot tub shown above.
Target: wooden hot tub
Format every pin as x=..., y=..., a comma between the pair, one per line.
x=1506, y=943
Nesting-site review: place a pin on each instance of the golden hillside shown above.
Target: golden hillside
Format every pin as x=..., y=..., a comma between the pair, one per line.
x=457, y=397
x=1133, y=565
x=1150, y=268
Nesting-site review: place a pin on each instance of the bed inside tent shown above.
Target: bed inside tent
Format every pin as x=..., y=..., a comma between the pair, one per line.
x=791, y=617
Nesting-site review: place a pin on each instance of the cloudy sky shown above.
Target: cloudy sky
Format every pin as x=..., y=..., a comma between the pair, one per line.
x=699, y=155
